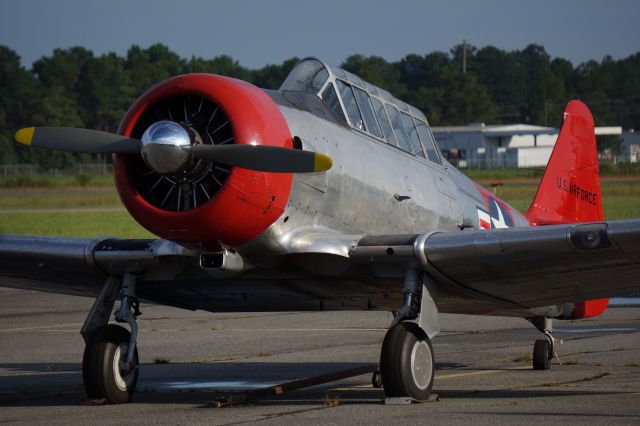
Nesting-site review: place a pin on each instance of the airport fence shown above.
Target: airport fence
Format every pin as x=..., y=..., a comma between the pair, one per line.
x=485, y=163
x=10, y=170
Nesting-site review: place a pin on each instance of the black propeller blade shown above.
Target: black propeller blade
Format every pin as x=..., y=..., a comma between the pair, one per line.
x=264, y=158
x=77, y=140
x=261, y=158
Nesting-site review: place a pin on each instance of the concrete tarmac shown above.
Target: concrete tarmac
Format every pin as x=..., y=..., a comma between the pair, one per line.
x=190, y=358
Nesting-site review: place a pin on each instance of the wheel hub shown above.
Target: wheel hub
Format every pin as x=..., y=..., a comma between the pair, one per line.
x=421, y=364
x=122, y=372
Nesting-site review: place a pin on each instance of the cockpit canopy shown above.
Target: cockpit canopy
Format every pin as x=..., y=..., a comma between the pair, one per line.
x=365, y=107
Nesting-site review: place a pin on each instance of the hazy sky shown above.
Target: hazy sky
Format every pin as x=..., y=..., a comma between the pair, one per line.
x=261, y=32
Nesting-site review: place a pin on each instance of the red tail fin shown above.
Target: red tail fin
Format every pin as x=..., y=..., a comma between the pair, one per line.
x=570, y=188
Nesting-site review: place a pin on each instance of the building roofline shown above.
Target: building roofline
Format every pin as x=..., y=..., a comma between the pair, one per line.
x=516, y=130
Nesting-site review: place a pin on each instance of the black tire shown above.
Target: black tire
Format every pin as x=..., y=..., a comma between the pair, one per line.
x=101, y=379
x=542, y=355
x=388, y=362
x=407, y=365
x=376, y=379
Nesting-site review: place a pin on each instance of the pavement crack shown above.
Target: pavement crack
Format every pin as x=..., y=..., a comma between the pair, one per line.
x=268, y=417
x=571, y=382
x=549, y=384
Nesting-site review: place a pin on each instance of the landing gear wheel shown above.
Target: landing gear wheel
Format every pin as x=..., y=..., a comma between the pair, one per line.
x=104, y=365
x=407, y=365
x=542, y=355
x=376, y=379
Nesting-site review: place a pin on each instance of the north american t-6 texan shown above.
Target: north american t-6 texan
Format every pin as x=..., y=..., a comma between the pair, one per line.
x=327, y=194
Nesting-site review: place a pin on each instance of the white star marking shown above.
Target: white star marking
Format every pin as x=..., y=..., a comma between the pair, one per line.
x=499, y=222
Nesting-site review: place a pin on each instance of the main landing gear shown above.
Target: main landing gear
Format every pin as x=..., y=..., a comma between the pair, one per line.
x=407, y=364
x=110, y=362
x=106, y=371
x=543, y=349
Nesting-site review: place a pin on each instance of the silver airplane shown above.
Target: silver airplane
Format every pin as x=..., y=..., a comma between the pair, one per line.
x=327, y=194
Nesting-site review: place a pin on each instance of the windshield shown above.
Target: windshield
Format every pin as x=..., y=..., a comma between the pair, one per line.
x=308, y=76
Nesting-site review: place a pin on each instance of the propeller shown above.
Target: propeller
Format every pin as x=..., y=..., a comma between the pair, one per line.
x=264, y=158
x=77, y=140
x=168, y=147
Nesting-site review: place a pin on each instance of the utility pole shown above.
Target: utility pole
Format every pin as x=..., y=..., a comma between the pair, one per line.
x=464, y=56
x=546, y=115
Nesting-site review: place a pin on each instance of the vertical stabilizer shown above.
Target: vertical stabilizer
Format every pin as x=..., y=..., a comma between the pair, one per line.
x=570, y=188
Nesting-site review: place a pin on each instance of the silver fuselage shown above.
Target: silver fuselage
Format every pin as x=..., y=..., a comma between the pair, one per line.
x=373, y=188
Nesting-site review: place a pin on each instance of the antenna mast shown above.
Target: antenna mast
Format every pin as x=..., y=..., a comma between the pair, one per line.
x=464, y=56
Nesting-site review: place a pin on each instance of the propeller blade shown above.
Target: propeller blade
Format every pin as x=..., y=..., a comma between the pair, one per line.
x=77, y=140
x=261, y=158
x=265, y=158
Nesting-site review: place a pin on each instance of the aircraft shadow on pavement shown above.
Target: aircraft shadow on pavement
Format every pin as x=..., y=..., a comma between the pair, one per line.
x=42, y=384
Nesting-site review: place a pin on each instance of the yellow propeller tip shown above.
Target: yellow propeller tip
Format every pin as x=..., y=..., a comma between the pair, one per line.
x=322, y=162
x=25, y=136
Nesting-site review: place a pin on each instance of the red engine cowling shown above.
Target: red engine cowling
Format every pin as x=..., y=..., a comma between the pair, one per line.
x=212, y=205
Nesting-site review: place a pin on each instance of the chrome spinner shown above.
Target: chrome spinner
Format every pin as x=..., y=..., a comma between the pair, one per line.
x=166, y=147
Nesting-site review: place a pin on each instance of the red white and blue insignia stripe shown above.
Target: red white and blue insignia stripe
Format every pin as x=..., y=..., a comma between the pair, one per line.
x=495, y=217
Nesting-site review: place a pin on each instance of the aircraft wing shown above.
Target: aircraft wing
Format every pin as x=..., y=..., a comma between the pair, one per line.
x=521, y=267
x=529, y=267
x=80, y=266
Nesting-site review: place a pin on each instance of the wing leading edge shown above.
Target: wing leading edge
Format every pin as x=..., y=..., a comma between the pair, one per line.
x=78, y=266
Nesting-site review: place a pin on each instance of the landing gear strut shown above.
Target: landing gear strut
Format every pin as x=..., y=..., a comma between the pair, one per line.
x=407, y=364
x=543, y=349
x=110, y=362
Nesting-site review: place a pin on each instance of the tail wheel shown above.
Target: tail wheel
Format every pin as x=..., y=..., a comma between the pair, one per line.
x=542, y=354
x=376, y=379
x=407, y=364
x=104, y=367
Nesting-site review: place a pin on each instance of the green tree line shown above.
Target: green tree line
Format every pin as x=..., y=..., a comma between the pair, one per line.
x=73, y=87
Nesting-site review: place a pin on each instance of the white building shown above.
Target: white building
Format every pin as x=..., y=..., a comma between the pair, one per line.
x=513, y=145
x=629, y=151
